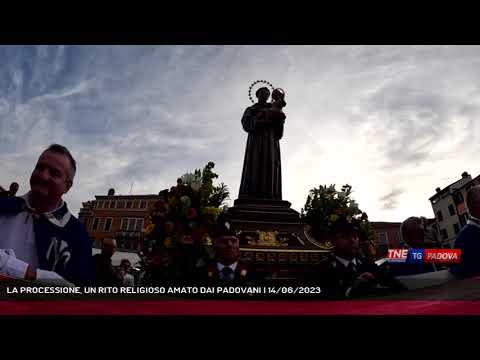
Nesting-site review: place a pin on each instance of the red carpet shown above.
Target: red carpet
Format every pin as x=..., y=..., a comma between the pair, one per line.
x=231, y=307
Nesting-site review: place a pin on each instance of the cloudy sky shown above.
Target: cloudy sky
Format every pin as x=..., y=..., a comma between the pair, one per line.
x=395, y=122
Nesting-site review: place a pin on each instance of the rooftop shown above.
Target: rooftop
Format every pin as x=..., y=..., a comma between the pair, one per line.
x=466, y=178
x=120, y=197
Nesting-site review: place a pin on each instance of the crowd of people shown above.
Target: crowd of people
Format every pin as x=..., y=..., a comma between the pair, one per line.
x=41, y=240
x=106, y=274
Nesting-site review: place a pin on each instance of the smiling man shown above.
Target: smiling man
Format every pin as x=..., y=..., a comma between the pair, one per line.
x=39, y=238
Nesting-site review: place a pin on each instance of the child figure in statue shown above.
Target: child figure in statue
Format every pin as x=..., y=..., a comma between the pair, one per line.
x=278, y=97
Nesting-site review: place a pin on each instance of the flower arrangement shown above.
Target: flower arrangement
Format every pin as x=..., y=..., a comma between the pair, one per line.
x=327, y=207
x=179, y=223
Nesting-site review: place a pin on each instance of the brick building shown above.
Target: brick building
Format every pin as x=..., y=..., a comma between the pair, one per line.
x=117, y=216
x=386, y=236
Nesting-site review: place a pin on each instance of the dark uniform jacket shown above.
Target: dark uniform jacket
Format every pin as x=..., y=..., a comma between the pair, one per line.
x=337, y=280
x=468, y=240
x=209, y=275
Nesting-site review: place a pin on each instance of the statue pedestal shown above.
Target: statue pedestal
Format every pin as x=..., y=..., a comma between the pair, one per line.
x=248, y=209
x=272, y=237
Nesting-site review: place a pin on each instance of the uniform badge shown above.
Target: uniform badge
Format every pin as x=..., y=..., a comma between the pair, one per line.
x=243, y=272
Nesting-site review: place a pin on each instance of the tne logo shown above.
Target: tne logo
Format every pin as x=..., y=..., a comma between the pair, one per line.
x=397, y=255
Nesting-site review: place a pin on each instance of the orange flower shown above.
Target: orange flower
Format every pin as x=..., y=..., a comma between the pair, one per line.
x=168, y=242
x=149, y=229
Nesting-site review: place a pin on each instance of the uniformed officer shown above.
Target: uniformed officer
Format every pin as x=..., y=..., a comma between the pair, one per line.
x=347, y=274
x=225, y=268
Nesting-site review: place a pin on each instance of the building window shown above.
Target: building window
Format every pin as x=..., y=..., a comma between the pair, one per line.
x=456, y=228
x=106, y=205
x=112, y=204
x=143, y=204
x=100, y=204
x=382, y=246
x=135, y=205
x=382, y=238
x=120, y=204
x=439, y=215
x=444, y=234
x=451, y=209
x=458, y=198
x=131, y=224
x=139, y=225
x=108, y=225
x=85, y=222
x=95, y=224
x=399, y=238
x=129, y=205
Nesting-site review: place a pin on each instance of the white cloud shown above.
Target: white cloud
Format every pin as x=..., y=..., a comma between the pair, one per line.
x=385, y=119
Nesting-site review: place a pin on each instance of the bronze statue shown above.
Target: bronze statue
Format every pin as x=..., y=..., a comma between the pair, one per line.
x=262, y=171
x=260, y=217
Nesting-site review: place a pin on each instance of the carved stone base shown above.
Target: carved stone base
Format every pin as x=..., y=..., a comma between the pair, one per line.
x=247, y=209
x=272, y=236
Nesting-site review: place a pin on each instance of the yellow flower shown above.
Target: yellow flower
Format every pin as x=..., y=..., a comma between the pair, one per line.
x=168, y=242
x=212, y=210
x=333, y=217
x=150, y=228
x=172, y=201
x=207, y=240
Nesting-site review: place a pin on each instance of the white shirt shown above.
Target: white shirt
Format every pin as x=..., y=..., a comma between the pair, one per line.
x=17, y=242
x=345, y=262
x=233, y=266
x=128, y=280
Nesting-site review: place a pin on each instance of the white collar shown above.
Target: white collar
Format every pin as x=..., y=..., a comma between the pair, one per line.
x=470, y=216
x=473, y=223
x=26, y=197
x=345, y=262
x=233, y=266
x=55, y=219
